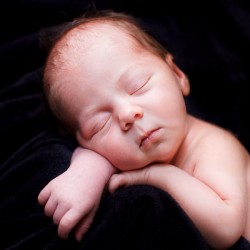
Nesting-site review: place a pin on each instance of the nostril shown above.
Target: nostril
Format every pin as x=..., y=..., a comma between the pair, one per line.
x=127, y=126
x=137, y=116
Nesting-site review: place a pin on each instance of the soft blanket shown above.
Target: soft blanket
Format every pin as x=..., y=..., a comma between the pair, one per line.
x=210, y=42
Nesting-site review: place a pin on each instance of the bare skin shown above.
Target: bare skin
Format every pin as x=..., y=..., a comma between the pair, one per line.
x=129, y=108
x=73, y=198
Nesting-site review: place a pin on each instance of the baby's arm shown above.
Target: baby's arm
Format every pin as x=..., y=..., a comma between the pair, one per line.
x=214, y=195
x=73, y=197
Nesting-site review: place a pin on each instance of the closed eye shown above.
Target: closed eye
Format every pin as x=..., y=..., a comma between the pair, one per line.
x=99, y=122
x=139, y=88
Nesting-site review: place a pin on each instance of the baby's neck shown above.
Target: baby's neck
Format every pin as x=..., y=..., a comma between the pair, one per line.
x=188, y=144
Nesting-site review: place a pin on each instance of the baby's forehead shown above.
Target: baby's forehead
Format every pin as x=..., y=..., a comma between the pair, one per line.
x=83, y=39
x=90, y=32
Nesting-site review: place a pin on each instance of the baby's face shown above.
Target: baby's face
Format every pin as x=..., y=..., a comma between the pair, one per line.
x=128, y=103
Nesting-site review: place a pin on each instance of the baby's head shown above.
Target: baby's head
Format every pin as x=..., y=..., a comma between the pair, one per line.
x=74, y=43
x=97, y=81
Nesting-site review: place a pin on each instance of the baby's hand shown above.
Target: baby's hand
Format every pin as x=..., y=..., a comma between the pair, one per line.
x=73, y=197
x=71, y=201
x=128, y=178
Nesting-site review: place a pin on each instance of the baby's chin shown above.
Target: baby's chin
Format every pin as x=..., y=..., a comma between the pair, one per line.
x=128, y=166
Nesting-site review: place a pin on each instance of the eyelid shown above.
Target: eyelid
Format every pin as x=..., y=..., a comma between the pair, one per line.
x=139, y=87
x=99, y=122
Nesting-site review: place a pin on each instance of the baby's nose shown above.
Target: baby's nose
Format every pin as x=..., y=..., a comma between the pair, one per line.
x=128, y=115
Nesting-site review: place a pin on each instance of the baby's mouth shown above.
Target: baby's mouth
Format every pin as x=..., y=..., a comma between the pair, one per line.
x=149, y=138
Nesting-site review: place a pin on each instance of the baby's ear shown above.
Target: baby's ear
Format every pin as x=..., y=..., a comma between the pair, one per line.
x=182, y=78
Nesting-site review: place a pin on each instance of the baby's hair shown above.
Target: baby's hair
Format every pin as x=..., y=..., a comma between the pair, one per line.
x=127, y=23
x=130, y=24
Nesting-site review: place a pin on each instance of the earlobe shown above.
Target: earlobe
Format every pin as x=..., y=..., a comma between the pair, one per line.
x=185, y=86
x=182, y=77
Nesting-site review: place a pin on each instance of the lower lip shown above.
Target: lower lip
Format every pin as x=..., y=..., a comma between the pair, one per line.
x=153, y=137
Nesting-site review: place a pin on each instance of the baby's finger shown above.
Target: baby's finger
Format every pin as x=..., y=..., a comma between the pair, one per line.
x=83, y=226
x=68, y=222
x=58, y=214
x=50, y=208
x=44, y=196
x=116, y=181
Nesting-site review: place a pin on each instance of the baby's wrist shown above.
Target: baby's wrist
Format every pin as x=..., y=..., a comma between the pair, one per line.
x=85, y=160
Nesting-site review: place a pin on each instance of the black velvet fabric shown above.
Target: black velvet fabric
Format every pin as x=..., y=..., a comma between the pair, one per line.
x=210, y=42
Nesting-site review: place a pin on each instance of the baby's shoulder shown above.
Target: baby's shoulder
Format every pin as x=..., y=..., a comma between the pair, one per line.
x=208, y=147
x=211, y=132
x=214, y=140
x=209, y=136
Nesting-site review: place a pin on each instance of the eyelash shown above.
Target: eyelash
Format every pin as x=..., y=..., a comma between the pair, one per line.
x=99, y=124
x=138, y=89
